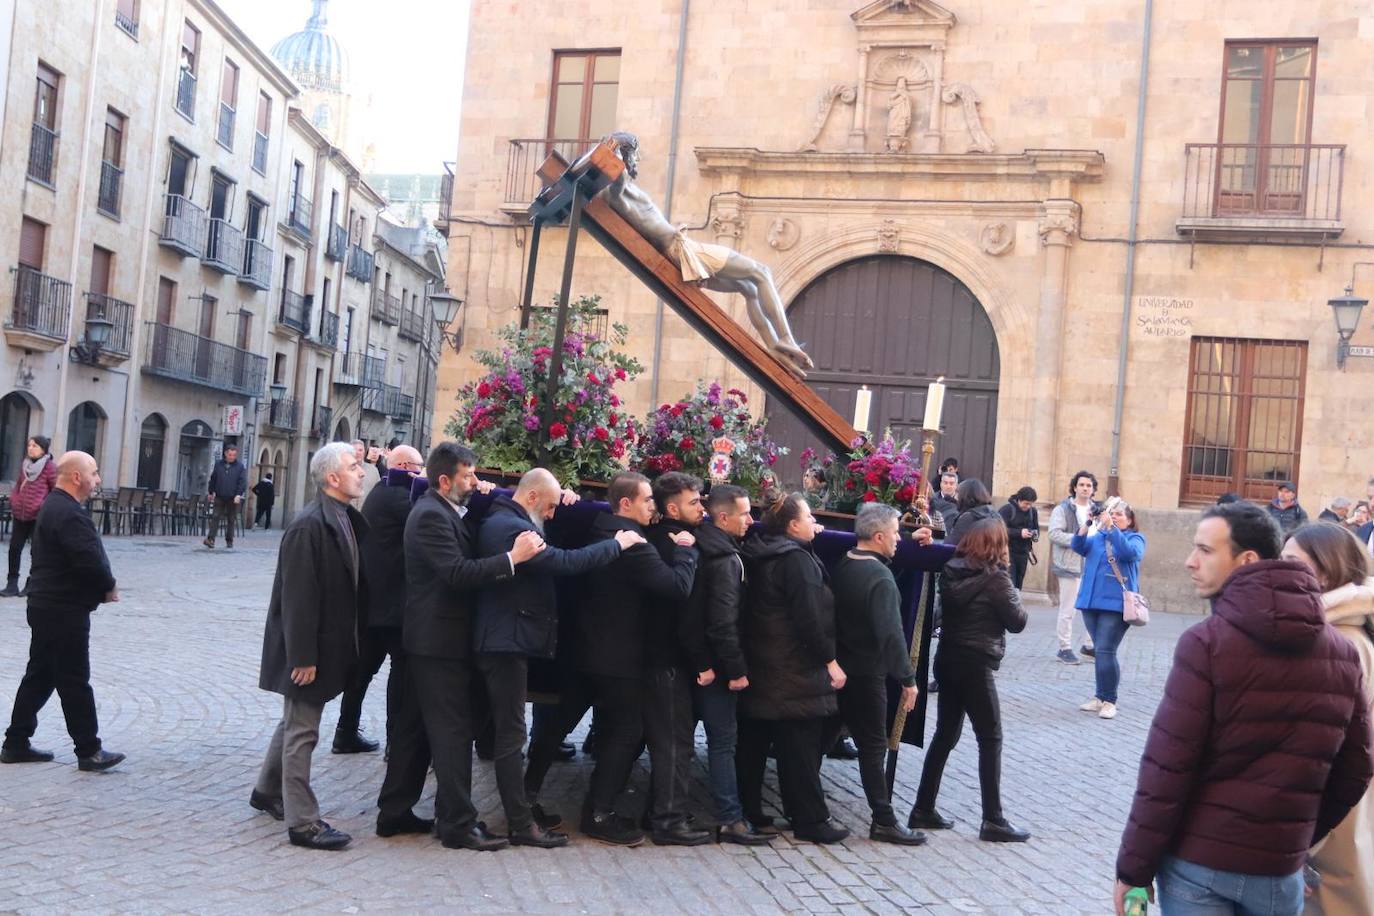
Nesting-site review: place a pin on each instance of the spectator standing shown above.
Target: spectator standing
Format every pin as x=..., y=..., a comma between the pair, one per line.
x=1345, y=859
x=1023, y=530
x=367, y=460
x=69, y=578
x=1111, y=546
x=1285, y=508
x=975, y=505
x=37, y=477
x=1261, y=744
x=946, y=502
x=1358, y=517
x=266, y=492
x=228, y=486
x=1337, y=511
x=1066, y=565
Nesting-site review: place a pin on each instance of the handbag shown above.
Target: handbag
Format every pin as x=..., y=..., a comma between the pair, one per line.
x=1135, y=608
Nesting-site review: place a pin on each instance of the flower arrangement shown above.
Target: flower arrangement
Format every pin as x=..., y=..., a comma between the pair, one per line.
x=710, y=434
x=886, y=473
x=501, y=415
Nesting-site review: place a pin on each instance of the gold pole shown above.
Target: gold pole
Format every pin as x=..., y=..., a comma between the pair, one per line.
x=894, y=738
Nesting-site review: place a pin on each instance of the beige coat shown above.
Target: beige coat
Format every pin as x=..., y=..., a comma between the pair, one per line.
x=1346, y=857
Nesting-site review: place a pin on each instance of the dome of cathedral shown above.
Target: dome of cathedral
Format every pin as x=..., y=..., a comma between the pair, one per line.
x=313, y=57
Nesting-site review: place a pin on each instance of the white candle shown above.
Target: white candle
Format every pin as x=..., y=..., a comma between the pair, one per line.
x=935, y=405
x=863, y=403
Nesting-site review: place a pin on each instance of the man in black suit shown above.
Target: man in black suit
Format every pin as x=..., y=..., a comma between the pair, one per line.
x=309, y=646
x=70, y=578
x=442, y=578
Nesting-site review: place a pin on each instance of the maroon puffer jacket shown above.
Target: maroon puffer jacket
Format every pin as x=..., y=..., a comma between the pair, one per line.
x=27, y=497
x=1262, y=741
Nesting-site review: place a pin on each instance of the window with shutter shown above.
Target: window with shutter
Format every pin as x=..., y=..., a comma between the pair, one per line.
x=33, y=241
x=102, y=263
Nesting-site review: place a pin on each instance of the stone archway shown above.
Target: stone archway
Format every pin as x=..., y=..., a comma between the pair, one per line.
x=152, y=445
x=19, y=413
x=342, y=431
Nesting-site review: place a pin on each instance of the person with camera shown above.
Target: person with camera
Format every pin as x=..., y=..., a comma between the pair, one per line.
x=1112, y=548
x=1023, y=530
x=1067, y=566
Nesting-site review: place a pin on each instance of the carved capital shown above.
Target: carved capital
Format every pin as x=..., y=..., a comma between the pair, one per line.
x=729, y=228
x=1058, y=229
x=889, y=236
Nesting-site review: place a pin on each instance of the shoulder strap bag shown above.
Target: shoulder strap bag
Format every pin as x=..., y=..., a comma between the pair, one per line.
x=1135, y=609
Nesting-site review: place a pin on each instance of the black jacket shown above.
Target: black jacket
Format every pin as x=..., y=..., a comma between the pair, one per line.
x=619, y=599
x=663, y=647
x=265, y=492
x=70, y=571
x=980, y=606
x=386, y=510
x=228, y=480
x=1016, y=520
x=788, y=631
x=709, y=626
x=966, y=520
x=1290, y=519
x=869, y=641
x=313, y=616
x=519, y=615
x=947, y=508
x=442, y=579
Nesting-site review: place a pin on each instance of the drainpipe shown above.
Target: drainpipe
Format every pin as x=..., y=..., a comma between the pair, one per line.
x=672, y=176
x=1114, y=478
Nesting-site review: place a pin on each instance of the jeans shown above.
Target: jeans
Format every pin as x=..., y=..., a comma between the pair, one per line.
x=1107, y=628
x=60, y=660
x=1019, y=562
x=798, y=745
x=22, y=532
x=967, y=689
x=863, y=709
x=1063, y=624
x=716, y=707
x=670, y=733
x=1188, y=889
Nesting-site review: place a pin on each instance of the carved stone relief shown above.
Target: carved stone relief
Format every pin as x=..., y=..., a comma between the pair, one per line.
x=728, y=227
x=889, y=236
x=997, y=239
x=842, y=93
x=968, y=99
x=1057, y=229
x=783, y=234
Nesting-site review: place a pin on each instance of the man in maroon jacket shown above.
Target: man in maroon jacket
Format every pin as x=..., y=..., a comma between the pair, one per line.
x=1262, y=742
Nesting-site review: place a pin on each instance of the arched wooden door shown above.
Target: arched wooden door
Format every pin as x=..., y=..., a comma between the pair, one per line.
x=895, y=324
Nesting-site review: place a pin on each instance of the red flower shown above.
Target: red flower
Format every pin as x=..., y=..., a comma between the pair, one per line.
x=557, y=430
x=617, y=448
x=905, y=494
x=483, y=389
x=687, y=443
x=717, y=422
x=677, y=409
x=849, y=484
x=612, y=420
x=620, y=374
x=870, y=497
x=591, y=377
x=601, y=433
x=615, y=401
x=873, y=478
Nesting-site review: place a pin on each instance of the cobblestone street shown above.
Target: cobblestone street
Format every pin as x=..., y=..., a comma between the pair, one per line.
x=175, y=667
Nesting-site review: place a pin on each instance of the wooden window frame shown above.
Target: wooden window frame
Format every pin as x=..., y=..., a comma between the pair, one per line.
x=117, y=123
x=54, y=83
x=1270, y=45
x=584, y=116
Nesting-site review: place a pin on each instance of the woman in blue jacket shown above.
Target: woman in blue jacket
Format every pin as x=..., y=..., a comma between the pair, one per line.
x=1099, y=593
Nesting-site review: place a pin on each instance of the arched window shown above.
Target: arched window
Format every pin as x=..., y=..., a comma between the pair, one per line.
x=152, y=445
x=86, y=428
x=16, y=413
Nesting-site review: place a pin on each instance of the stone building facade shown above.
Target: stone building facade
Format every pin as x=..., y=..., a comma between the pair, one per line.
x=947, y=190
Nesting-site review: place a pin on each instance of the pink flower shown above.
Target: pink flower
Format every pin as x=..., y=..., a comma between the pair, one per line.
x=620, y=374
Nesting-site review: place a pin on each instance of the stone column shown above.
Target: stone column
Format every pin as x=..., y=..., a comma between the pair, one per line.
x=930, y=139
x=1057, y=229
x=856, y=132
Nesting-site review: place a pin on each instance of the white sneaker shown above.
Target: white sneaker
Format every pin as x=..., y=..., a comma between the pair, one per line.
x=1108, y=711
x=1093, y=705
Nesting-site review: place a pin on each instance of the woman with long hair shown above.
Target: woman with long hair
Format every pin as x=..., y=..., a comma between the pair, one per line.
x=975, y=505
x=1112, y=548
x=981, y=606
x=37, y=477
x=1345, y=859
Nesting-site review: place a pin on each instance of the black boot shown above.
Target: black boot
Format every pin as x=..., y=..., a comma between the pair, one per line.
x=11, y=589
x=24, y=592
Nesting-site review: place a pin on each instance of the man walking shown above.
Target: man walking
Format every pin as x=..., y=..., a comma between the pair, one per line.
x=1262, y=742
x=309, y=644
x=266, y=493
x=228, y=484
x=871, y=647
x=69, y=578
x=1066, y=564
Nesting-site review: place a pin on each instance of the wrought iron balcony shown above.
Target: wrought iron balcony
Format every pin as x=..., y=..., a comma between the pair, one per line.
x=381, y=399
x=257, y=265
x=181, y=356
x=402, y=406
x=1268, y=189
x=186, y=93
x=127, y=23
x=413, y=325
x=41, y=312
x=224, y=132
x=348, y=369
x=386, y=309
x=260, y=153
x=295, y=311
x=298, y=220
x=223, y=247
x=121, y=314
x=523, y=158
x=329, y=330
x=183, y=225
x=284, y=414
x=111, y=187
x=359, y=264
x=42, y=153
x=374, y=370
x=322, y=422
x=337, y=248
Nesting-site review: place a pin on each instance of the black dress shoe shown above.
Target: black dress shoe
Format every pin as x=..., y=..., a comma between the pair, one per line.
x=538, y=837
x=318, y=835
x=353, y=742
x=611, y=829
x=741, y=833
x=929, y=820
x=844, y=749
x=680, y=833
x=26, y=754
x=99, y=761
x=476, y=838
x=765, y=825
x=549, y=820
x=566, y=751
x=825, y=832
x=895, y=833
x=1002, y=832
x=406, y=823
x=268, y=804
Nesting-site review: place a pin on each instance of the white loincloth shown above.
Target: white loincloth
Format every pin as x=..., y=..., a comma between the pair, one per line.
x=697, y=260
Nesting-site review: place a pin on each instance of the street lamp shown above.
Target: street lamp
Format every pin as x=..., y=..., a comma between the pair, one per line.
x=96, y=338
x=1346, y=310
x=446, y=306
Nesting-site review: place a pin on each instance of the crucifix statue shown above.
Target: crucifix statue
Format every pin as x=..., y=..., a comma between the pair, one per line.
x=713, y=266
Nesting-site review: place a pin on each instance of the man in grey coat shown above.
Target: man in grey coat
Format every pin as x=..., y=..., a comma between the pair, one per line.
x=311, y=642
x=1067, y=566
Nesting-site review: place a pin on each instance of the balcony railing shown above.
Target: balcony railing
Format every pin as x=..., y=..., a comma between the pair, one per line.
x=42, y=304
x=337, y=248
x=186, y=93
x=374, y=370
x=179, y=355
x=322, y=423
x=348, y=369
x=402, y=406
x=127, y=23
x=257, y=264
x=1259, y=187
x=183, y=225
x=284, y=413
x=295, y=311
x=386, y=309
x=111, y=185
x=119, y=312
x=359, y=264
x=524, y=156
x=381, y=399
x=224, y=133
x=260, y=153
x=413, y=325
x=223, y=247
x=42, y=153
x=298, y=220
x=329, y=330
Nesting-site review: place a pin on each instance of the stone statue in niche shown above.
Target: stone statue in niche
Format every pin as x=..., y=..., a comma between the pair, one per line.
x=898, y=117
x=963, y=93
x=842, y=93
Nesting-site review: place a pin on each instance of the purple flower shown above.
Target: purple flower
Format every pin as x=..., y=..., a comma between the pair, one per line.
x=532, y=423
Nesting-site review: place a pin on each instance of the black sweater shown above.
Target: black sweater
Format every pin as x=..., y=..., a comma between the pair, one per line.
x=868, y=619
x=70, y=571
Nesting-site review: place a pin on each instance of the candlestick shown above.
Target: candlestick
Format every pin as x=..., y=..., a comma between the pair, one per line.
x=935, y=405
x=863, y=404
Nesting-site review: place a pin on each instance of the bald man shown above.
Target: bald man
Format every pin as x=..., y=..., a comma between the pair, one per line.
x=69, y=579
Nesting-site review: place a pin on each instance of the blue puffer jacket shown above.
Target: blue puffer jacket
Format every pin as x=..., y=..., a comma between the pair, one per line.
x=1098, y=590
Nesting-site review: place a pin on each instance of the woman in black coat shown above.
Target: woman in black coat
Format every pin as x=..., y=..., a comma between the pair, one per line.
x=975, y=505
x=787, y=628
x=981, y=605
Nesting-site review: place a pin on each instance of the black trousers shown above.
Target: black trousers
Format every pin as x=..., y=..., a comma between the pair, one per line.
x=18, y=538
x=670, y=733
x=264, y=512
x=863, y=710
x=224, y=511
x=619, y=735
x=798, y=746
x=60, y=660
x=374, y=645
x=443, y=687
x=1019, y=563
x=504, y=676
x=966, y=688
x=408, y=756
